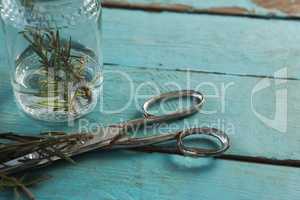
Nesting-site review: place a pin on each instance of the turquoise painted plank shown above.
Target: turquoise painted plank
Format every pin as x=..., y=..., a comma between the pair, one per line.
x=128, y=175
x=241, y=7
x=228, y=109
x=125, y=175
x=201, y=42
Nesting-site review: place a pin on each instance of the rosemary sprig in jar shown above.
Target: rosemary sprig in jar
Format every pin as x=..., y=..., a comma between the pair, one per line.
x=63, y=72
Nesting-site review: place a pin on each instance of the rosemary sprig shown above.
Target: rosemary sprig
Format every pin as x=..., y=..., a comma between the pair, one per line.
x=21, y=184
x=45, y=146
x=37, y=148
x=61, y=69
x=27, y=3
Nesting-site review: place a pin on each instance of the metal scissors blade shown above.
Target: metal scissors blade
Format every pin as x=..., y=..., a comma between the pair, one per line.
x=212, y=133
x=115, y=136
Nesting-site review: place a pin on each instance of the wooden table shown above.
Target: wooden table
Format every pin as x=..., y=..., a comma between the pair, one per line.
x=245, y=55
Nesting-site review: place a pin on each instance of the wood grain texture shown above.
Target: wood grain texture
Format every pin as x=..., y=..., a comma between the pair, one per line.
x=148, y=47
x=200, y=42
x=228, y=109
x=123, y=175
x=285, y=6
x=253, y=8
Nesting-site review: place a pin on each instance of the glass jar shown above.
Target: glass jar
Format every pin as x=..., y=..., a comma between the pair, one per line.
x=54, y=50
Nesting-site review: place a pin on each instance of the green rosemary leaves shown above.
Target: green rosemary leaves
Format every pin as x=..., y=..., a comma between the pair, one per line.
x=21, y=184
x=29, y=152
x=63, y=80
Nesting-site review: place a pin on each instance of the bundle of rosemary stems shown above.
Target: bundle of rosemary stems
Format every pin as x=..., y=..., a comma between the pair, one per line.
x=19, y=154
x=47, y=146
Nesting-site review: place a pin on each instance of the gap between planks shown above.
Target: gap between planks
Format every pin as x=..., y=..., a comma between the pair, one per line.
x=208, y=72
x=229, y=157
x=181, y=8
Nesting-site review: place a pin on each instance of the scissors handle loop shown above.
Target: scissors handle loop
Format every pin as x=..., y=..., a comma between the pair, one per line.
x=223, y=142
x=199, y=100
x=149, y=118
x=200, y=152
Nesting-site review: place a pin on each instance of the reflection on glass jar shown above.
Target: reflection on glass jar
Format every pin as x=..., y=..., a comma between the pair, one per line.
x=55, y=55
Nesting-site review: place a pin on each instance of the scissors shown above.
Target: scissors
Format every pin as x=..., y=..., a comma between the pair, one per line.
x=116, y=137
